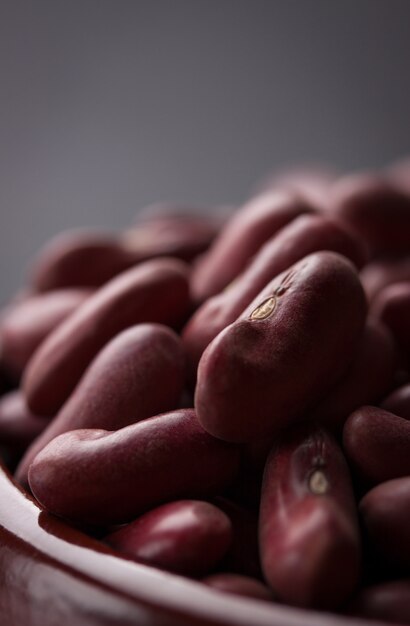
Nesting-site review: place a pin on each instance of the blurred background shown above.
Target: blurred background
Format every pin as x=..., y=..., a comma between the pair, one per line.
x=107, y=105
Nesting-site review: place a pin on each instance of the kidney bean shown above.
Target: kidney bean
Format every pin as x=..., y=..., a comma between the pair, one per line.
x=308, y=532
x=302, y=236
x=188, y=537
x=398, y=402
x=377, y=444
x=377, y=209
x=369, y=377
x=241, y=238
x=381, y=273
x=138, y=374
x=243, y=554
x=155, y=291
x=293, y=343
x=392, y=307
x=385, y=511
x=27, y=323
x=100, y=477
x=18, y=426
x=387, y=602
x=239, y=585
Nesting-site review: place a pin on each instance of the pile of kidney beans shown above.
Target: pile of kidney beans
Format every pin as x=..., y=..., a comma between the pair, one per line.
x=226, y=395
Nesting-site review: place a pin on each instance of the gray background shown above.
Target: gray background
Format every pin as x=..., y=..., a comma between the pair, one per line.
x=107, y=105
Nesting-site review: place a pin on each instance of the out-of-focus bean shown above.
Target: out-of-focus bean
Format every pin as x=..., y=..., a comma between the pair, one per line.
x=381, y=273
x=376, y=209
x=18, y=426
x=241, y=238
x=377, y=444
x=385, y=512
x=290, y=346
x=302, y=236
x=388, y=602
x=398, y=402
x=27, y=323
x=369, y=377
x=138, y=374
x=239, y=585
x=392, y=307
x=188, y=537
x=308, y=531
x=155, y=291
x=100, y=477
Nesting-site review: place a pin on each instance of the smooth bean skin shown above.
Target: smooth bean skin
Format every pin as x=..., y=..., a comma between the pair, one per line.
x=302, y=236
x=188, y=537
x=137, y=374
x=398, y=402
x=369, y=377
x=99, y=477
x=376, y=209
x=388, y=602
x=239, y=585
x=243, y=235
x=385, y=511
x=383, y=272
x=27, y=323
x=155, y=291
x=392, y=307
x=377, y=444
x=18, y=426
x=308, y=531
x=292, y=344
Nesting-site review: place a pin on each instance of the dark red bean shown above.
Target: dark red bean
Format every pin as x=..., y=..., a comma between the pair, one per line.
x=369, y=377
x=239, y=585
x=388, y=602
x=302, y=236
x=290, y=346
x=392, y=307
x=385, y=512
x=27, y=323
x=308, y=532
x=138, y=374
x=188, y=537
x=377, y=444
x=376, y=209
x=155, y=291
x=241, y=238
x=398, y=402
x=103, y=478
x=384, y=272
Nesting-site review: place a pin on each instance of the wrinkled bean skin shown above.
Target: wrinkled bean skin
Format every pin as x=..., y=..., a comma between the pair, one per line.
x=376, y=209
x=18, y=426
x=27, y=323
x=138, y=374
x=292, y=344
x=388, y=602
x=241, y=238
x=385, y=511
x=377, y=444
x=369, y=377
x=239, y=585
x=188, y=537
x=392, y=307
x=398, y=402
x=155, y=291
x=131, y=470
x=381, y=273
x=302, y=236
x=308, y=531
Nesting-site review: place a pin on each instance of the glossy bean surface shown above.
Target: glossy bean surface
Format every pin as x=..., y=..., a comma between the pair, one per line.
x=295, y=340
x=239, y=585
x=308, y=531
x=155, y=291
x=101, y=477
x=138, y=374
x=188, y=537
